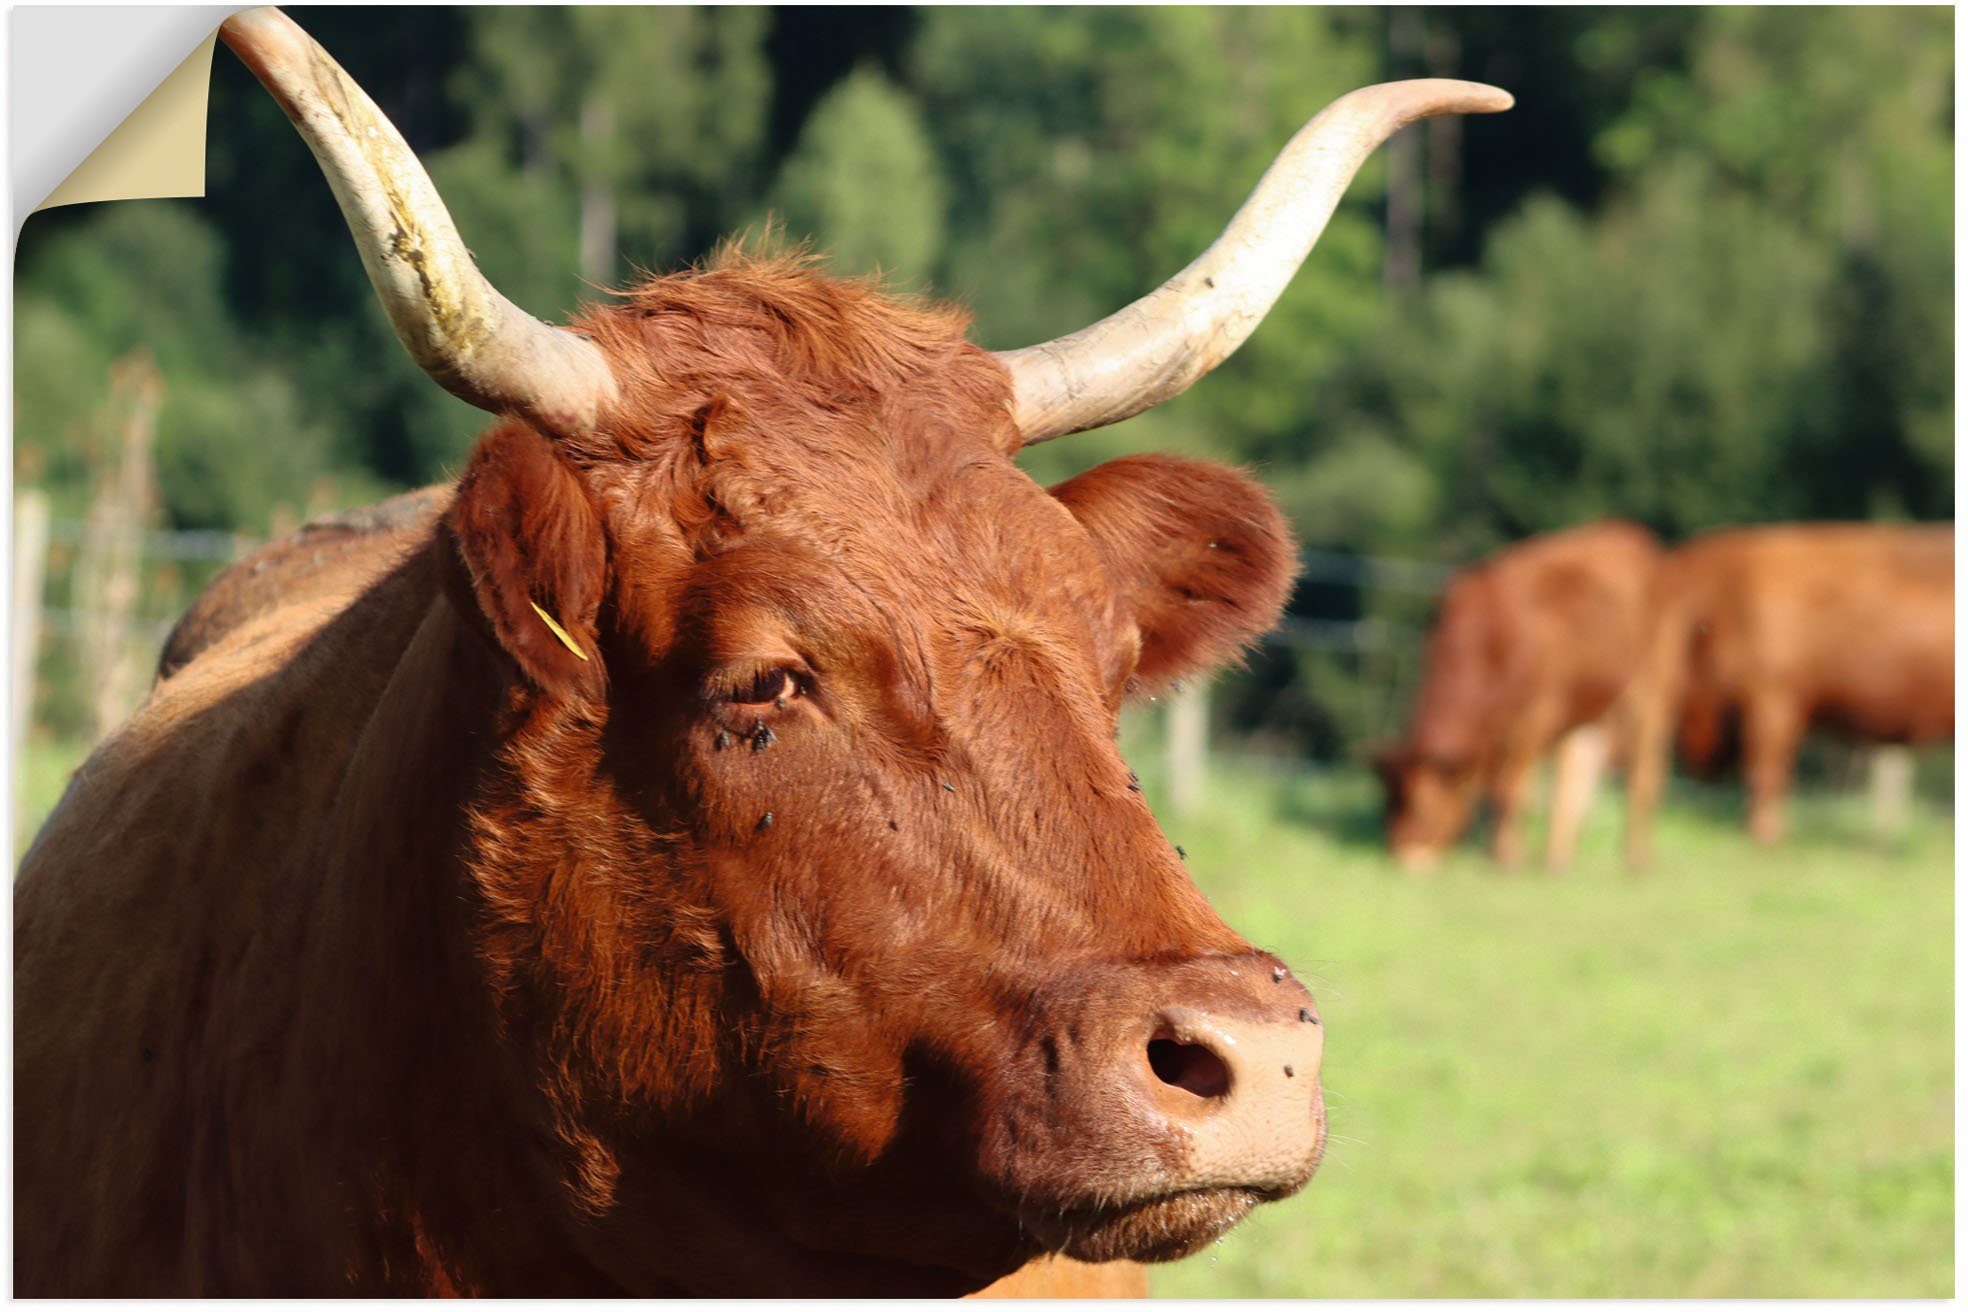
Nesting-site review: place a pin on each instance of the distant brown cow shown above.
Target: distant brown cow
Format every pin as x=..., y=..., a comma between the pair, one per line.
x=1769, y=632
x=691, y=855
x=1537, y=642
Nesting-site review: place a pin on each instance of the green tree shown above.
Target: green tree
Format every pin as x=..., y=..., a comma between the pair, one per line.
x=234, y=437
x=1666, y=362
x=1091, y=153
x=650, y=122
x=1840, y=121
x=863, y=183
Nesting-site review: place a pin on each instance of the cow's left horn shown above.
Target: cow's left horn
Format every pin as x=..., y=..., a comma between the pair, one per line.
x=455, y=324
x=1143, y=355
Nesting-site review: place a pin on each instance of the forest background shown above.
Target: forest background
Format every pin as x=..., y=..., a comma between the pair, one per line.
x=1702, y=274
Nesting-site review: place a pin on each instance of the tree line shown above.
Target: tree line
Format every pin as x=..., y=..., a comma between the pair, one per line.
x=1702, y=274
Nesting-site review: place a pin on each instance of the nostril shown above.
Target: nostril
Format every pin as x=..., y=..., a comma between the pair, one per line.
x=1189, y=1066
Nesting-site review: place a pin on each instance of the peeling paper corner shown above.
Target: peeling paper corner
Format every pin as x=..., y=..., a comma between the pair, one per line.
x=159, y=150
x=105, y=104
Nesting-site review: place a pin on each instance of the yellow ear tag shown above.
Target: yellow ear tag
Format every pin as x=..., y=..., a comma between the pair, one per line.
x=558, y=632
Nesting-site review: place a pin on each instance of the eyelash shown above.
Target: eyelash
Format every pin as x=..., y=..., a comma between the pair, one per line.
x=768, y=688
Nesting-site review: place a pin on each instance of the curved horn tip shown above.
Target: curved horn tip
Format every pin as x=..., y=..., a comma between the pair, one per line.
x=269, y=43
x=1154, y=348
x=257, y=23
x=1480, y=98
x=1426, y=97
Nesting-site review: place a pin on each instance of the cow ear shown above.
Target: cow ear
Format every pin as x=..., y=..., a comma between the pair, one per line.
x=1202, y=558
x=527, y=561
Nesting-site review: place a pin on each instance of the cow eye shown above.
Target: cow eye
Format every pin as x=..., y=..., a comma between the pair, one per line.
x=766, y=688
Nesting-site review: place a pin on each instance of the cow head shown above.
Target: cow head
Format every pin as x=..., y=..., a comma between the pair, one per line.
x=823, y=922
x=1432, y=778
x=1429, y=801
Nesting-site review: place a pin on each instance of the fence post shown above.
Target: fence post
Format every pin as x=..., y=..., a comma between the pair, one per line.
x=106, y=565
x=1892, y=789
x=30, y=572
x=1187, y=746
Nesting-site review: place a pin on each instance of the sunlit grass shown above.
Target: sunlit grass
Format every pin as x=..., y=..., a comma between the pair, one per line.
x=40, y=774
x=1731, y=1077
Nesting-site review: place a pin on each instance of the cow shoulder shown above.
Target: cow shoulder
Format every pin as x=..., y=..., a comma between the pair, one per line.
x=333, y=557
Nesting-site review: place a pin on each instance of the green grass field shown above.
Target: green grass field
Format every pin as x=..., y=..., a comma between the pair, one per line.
x=1731, y=1077
x=40, y=775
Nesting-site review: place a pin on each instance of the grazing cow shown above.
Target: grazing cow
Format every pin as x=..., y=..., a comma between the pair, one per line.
x=691, y=855
x=1533, y=645
x=1769, y=632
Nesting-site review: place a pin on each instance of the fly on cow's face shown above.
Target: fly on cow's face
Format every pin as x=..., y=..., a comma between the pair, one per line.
x=741, y=702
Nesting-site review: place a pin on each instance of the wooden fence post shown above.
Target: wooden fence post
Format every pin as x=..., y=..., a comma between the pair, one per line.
x=30, y=576
x=1187, y=746
x=106, y=565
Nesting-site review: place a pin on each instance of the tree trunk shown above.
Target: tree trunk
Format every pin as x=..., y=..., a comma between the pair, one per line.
x=1442, y=50
x=1402, y=269
x=598, y=224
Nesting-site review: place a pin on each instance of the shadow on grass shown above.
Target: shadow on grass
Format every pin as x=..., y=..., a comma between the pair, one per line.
x=1346, y=808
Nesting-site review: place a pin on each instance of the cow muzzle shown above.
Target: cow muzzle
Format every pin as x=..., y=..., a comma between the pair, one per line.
x=1160, y=1103
x=1418, y=858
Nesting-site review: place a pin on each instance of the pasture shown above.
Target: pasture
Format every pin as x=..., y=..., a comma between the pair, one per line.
x=1730, y=1077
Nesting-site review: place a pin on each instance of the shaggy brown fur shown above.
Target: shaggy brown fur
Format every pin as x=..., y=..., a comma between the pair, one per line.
x=1531, y=643
x=392, y=946
x=1769, y=632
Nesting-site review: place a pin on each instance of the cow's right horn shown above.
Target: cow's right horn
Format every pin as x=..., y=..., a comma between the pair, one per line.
x=455, y=324
x=1145, y=353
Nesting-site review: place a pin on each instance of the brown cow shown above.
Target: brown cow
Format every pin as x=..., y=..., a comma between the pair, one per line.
x=696, y=859
x=326, y=555
x=1769, y=632
x=1533, y=645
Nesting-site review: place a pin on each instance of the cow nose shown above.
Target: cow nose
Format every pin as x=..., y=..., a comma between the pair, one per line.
x=1191, y=1064
x=1243, y=1090
x=1152, y=1103
x=1416, y=859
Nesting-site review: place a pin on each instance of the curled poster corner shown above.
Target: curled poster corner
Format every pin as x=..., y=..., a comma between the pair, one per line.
x=75, y=71
x=159, y=150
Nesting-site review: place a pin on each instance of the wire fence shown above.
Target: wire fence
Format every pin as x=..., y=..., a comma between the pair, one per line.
x=1352, y=654
x=1316, y=693
x=89, y=619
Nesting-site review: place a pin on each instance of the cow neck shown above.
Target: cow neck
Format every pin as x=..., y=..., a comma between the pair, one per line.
x=394, y=1039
